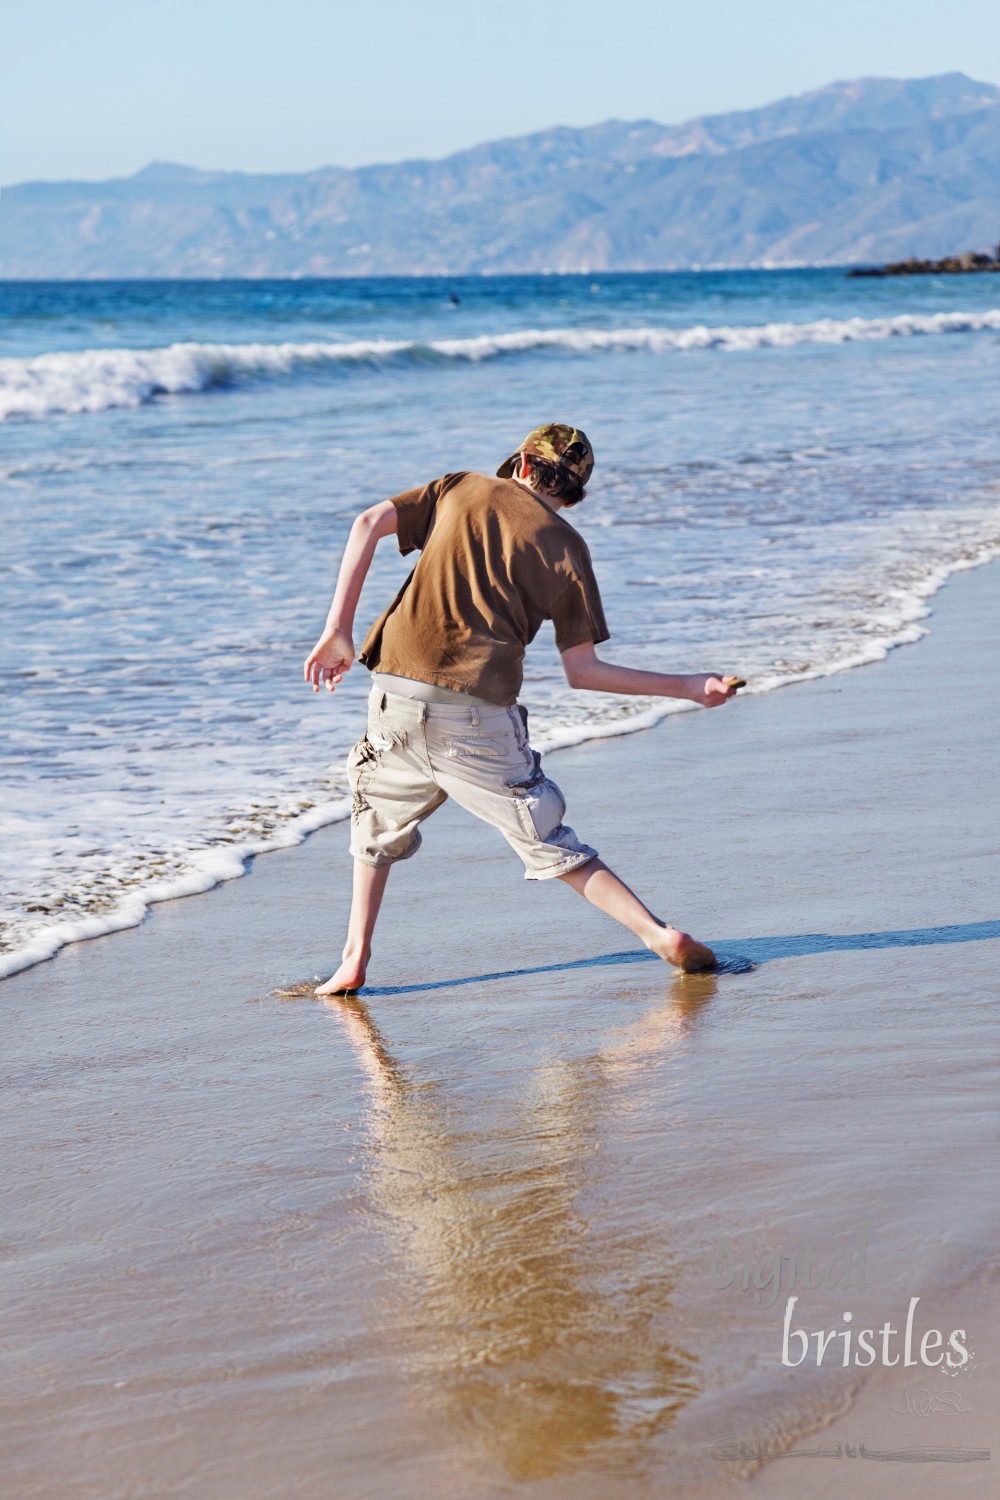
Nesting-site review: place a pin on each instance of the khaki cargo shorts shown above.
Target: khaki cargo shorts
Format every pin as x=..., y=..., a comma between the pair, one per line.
x=415, y=755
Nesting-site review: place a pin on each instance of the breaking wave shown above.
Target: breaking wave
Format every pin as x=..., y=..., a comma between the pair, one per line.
x=93, y=380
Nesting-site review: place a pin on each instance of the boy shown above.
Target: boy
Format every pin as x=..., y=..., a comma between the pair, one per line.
x=497, y=558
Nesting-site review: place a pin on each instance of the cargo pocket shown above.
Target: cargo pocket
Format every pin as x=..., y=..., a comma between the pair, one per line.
x=363, y=761
x=541, y=808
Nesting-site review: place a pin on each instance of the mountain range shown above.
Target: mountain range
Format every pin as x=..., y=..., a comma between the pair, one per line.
x=875, y=169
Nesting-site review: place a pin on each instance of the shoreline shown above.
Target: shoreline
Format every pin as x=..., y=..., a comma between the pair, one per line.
x=211, y=867
x=477, y=1206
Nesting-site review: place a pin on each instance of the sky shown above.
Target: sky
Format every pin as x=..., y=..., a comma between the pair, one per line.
x=99, y=88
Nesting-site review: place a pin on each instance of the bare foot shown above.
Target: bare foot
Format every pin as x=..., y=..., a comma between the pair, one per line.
x=349, y=977
x=681, y=950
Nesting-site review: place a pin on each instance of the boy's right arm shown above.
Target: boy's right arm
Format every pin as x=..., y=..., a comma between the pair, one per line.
x=333, y=653
x=585, y=669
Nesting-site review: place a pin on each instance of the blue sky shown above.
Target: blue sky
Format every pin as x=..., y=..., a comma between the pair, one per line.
x=97, y=88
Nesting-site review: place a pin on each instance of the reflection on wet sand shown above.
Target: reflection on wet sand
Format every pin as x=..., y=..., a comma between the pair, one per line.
x=536, y=1332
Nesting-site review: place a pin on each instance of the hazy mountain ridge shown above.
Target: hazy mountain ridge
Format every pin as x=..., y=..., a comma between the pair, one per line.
x=873, y=169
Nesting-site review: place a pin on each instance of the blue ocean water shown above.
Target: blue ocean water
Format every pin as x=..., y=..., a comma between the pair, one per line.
x=788, y=465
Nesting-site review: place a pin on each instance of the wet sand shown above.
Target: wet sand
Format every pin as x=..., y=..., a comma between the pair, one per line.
x=462, y=1236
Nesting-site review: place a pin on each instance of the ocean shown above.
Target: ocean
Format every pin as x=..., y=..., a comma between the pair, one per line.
x=789, y=464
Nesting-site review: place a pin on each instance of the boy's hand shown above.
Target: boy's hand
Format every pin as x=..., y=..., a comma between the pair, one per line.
x=712, y=690
x=329, y=659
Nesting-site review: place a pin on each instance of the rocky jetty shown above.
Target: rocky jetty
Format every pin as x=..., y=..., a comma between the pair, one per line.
x=952, y=265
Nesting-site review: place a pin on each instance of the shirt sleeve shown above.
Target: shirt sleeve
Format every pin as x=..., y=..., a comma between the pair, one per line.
x=577, y=611
x=415, y=511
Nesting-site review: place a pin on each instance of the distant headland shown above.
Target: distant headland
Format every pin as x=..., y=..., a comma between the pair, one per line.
x=952, y=265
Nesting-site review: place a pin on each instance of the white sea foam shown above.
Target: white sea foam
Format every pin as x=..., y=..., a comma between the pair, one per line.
x=93, y=380
x=205, y=868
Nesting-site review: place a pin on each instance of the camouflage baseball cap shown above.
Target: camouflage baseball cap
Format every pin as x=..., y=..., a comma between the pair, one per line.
x=560, y=444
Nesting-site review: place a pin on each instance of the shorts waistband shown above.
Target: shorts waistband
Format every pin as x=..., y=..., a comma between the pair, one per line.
x=419, y=711
x=409, y=687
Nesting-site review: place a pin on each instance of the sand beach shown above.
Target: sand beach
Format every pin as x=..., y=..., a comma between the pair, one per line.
x=468, y=1234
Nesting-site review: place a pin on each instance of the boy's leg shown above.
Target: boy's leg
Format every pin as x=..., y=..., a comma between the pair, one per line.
x=369, y=887
x=393, y=793
x=604, y=890
x=484, y=773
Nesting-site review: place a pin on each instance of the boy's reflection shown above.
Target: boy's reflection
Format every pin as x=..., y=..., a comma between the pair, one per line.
x=540, y=1330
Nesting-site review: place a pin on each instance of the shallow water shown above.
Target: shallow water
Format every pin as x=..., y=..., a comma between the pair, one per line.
x=789, y=464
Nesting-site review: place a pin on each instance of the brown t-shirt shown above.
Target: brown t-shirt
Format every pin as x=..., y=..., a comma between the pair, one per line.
x=495, y=562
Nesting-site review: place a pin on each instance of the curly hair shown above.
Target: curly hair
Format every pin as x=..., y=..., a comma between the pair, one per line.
x=553, y=480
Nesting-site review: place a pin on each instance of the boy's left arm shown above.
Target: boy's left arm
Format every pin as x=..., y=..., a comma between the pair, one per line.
x=333, y=653
x=585, y=669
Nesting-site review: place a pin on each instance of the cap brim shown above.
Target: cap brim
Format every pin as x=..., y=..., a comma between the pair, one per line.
x=506, y=469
